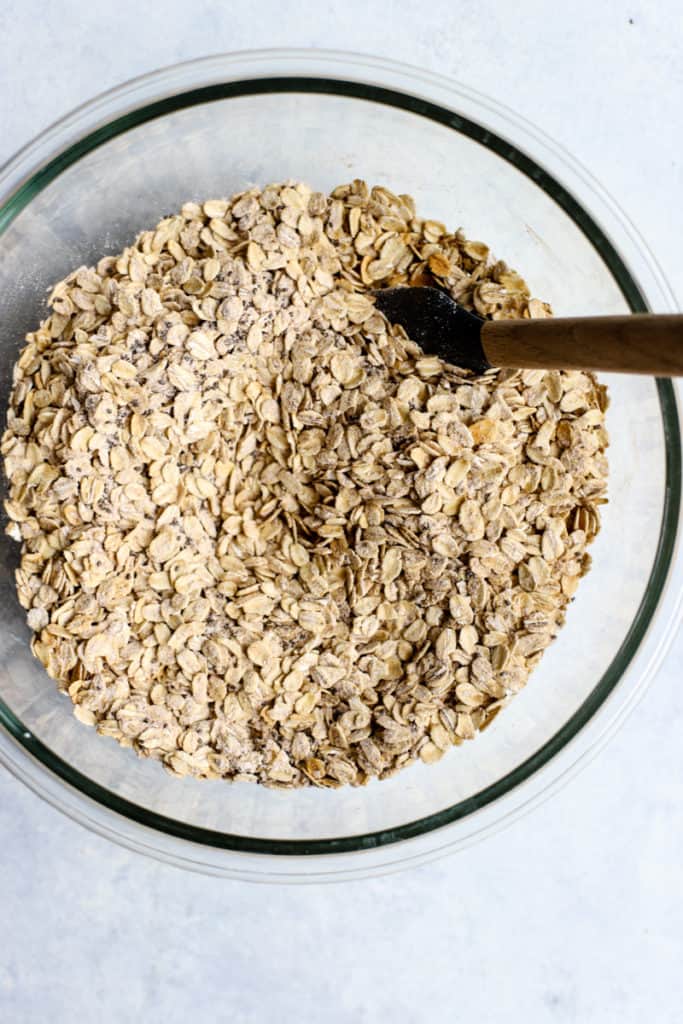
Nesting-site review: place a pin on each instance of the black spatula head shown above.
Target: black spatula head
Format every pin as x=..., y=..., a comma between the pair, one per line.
x=435, y=322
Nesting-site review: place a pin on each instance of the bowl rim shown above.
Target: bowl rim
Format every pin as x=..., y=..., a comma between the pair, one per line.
x=366, y=78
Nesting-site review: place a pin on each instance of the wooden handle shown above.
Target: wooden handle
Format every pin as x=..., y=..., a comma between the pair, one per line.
x=640, y=343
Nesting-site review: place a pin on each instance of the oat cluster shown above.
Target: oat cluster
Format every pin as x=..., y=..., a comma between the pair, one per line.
x=263, y=536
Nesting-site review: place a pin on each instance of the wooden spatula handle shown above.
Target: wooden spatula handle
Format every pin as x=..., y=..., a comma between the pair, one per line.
x=640, y=343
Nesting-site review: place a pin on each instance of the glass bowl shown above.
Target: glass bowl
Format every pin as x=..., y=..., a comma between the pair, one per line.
x=208, y=128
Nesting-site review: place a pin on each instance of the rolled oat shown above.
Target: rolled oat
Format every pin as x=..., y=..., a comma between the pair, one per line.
x=263, y=536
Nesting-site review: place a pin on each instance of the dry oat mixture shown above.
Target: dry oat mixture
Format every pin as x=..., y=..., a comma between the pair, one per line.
x=264, y=537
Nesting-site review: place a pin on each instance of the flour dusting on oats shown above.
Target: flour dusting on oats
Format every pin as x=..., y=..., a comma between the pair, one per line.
x=263, y=536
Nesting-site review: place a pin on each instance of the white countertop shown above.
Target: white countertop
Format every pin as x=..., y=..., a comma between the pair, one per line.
x=572, y=914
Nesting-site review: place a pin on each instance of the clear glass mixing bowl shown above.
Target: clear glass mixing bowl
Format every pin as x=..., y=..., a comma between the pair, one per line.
x=208, y=128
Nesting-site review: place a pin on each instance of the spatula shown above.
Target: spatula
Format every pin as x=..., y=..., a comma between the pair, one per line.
x=646, y=343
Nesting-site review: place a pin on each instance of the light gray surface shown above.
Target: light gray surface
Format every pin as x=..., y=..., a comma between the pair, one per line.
x=574, y=913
